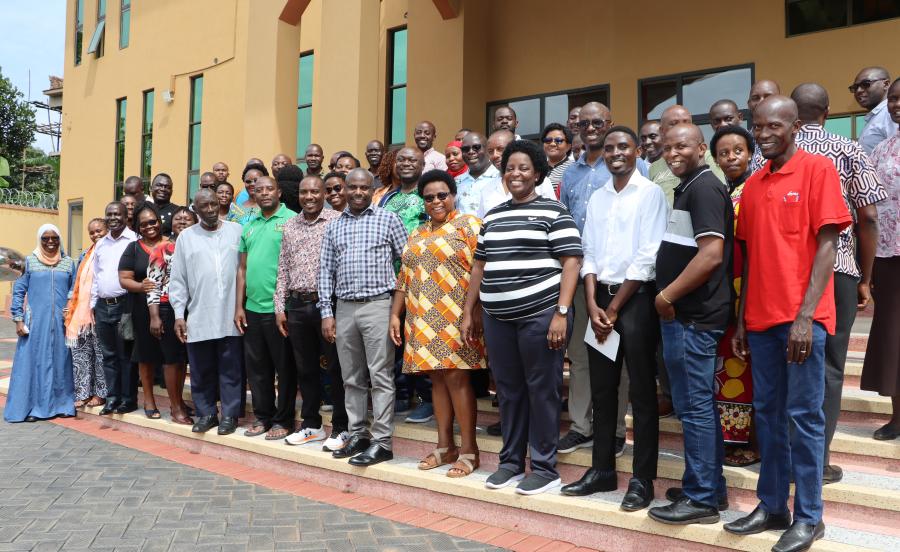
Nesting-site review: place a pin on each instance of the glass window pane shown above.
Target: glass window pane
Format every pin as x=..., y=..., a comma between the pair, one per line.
x=120, y=161
x=196, y=99
x=398, y=115
x=304, y=130
x=79, y=40
x=146, y=157
x=842, y=126
x=305, y=85
x=79, y=12
x=126, y=3
x=656, y=97
x=194, y=153
x=528, y=112
x=806, y=16
x=193, y=185
x=101, y=8
x=148, y=112
x=859, y=123
x=124, y=29
x=707, y=131
x=399, y=62
x=121, y=109
x=700, y=92
x=577, y=100
x=94, y=46
x=865, y=11
x=556, y=110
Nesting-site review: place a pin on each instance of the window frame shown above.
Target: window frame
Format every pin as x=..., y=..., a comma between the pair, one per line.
x=120, y=142
x=74, y=204
x=543, y=112
x=98, y=39
x=79, y=31
x=147, y=134
x=301, y=152
x=850, y=22
x=124, y=29
x=191, y=124
x=390, y=86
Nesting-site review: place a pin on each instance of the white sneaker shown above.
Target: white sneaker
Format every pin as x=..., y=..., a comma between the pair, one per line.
x=306, y=435
x=336, y=441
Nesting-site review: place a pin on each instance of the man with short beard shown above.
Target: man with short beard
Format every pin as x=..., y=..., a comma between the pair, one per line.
x=481, y=171
x=220, y=169
x=161, y=190
x=313, y=157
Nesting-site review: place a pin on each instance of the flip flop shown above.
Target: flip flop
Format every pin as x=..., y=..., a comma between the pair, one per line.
x=257, y=428
x=276, y=432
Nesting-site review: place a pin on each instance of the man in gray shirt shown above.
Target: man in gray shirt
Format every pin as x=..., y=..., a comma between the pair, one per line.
x=202, y=294
x=869, y=89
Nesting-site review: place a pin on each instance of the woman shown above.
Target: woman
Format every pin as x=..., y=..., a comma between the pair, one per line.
x=225, y=195
x=336, y=191
x=733, y=148
x=129, y=202
x=133, y=278
x=387, y=174
x=87, y=358
x=557, y=140
x=345, y=163
x=244, y=209
x=41, y=383
x=881, y=367
x=455, y=163
x=440, y=251
x=526, y=269
x=162, y=317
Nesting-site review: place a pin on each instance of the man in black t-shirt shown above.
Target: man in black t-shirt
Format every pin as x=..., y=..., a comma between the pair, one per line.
x=161, y=191
x=693, y=275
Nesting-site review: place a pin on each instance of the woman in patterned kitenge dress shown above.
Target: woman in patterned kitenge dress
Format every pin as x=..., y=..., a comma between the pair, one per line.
x=431, y=287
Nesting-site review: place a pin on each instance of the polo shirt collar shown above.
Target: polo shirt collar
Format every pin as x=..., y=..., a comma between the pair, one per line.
x=689, y=178
x=280, y=213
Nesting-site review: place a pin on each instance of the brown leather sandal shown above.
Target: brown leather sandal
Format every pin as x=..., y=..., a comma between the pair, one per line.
x=464, y=465
x=437, y=455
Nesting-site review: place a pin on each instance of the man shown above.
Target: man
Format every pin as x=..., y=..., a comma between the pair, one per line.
x=265, y=349
x=626, y=219
x=469, y=184
x=861, y=190
x=134, y=186
x=202, y=293
x=791, y=214
x=725, y=113
x=583, y=177
x=278, y=162
x=424, y=135
x=493, y=192
x=572, y=121
x=108, y=301
x=374, y=154
x=759, y=92
x=869, y=89
x=297, y=317
x=314, y=156
x=357, y=266
x=161, y=191
x=497, y=142
x=651, y=141
x=693, y=276
x=406, y=203
x=505, y=119
x=220, y=169
x=659, y=171
x=208, y=181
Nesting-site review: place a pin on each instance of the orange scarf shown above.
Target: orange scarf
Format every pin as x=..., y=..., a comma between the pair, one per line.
x=78, y=317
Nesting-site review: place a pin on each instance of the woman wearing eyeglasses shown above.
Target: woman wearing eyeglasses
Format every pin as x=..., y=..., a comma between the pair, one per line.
x=557, y=140
x=431, y=287
x=41, y=385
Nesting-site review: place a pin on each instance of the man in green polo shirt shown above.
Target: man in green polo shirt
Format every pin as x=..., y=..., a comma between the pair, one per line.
x=266, y=351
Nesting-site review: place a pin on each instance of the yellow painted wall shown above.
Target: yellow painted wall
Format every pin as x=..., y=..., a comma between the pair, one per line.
x=20, y=226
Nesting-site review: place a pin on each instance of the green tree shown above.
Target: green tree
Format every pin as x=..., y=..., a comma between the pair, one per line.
x=17, y=124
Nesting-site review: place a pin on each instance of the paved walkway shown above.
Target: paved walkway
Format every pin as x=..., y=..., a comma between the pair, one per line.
x=63, y=490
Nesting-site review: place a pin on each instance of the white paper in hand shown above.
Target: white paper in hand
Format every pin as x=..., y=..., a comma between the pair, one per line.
x=609, y=348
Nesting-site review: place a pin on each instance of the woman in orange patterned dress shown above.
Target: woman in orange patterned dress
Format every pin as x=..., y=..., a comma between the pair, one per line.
x=431, y=287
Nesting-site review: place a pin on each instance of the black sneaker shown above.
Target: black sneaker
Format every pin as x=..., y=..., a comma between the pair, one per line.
x=572, y=441
x=620, y=446
x=536, y=484
x=503, y=477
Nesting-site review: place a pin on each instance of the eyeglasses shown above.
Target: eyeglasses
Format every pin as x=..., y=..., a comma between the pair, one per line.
x=148, y=223
x=250, y=181
x=441, y=196
x=599, y=124
x=48, y=239
x=864, y=84
x=474, y=147
x=556, y=141
x=337, y=189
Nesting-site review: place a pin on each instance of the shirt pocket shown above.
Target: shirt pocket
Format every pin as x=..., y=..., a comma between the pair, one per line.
x=789, y=218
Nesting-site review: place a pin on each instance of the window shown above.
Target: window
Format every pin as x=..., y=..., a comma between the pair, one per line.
x=96, y=45
x=696, y=91
x=194, y=136
x=124, y=23
x=304, y=103
x=809, y=16
x=396, y=92
x=536, y=112
x=849, y=125
x=76, y=228
x=119, y=176
x=79, y=29
x=147, y=138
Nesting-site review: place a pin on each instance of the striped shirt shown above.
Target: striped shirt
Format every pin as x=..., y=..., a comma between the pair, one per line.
x=521, y=245
x=556, y=173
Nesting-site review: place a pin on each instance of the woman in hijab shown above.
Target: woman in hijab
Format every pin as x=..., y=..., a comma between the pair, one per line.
x=41, y=384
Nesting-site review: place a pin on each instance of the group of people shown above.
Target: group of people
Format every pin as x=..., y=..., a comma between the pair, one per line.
x=627, y=258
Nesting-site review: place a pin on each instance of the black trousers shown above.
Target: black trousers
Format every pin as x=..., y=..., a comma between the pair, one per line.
x=266, y=355
x=308, y=345
x=638, y=328
x=121, y=375
x=216, y=372
x=836, y=352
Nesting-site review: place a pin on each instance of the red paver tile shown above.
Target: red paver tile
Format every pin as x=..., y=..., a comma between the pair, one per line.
x=424, y=519
x=531, y=544
x=486, y=534
x=466, y=529
x=395, y=512
x=507, y=540
x=557, y=546
x=445, y=524
x=368, y=504
x=343, y=500
x=582, y=549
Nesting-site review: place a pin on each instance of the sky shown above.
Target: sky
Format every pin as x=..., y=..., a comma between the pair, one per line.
x=33, y=38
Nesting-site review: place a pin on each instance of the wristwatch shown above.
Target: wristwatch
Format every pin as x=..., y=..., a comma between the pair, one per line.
x=562, y=310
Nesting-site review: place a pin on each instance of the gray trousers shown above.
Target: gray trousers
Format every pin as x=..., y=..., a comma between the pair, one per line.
x=367, y=354
x=581, y=412
x=836, y=352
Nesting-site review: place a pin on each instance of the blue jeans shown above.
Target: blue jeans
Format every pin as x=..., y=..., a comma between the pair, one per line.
x=788, y=393
x=690, y=357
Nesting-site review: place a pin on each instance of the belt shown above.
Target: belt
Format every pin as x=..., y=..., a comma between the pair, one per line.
x=305, y=296
x=612, y=289
x=380, y=296
x=113, y=300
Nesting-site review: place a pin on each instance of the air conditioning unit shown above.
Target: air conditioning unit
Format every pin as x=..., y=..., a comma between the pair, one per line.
x=168, y=96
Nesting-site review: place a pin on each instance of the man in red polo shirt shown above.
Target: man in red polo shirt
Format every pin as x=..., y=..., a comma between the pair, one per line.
x=791, y=213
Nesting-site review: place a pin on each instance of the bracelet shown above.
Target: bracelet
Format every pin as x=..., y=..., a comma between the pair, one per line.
x=663, y=295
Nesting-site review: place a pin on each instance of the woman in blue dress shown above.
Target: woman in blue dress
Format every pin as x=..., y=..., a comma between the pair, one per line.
x=41, y=385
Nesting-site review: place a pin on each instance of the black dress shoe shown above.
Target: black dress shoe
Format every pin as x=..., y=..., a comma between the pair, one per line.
x=886, y=432
x=758, y=521
x=684, y=512
x=593, y=481
x=674, y=494
x=205, y=423
x=375, y=454
x=228, y=425
x=638, y=496
x=832, y=474
x=799, y=537
x=108, y=408
x=30, y=419
x=126, y=408
x=354, y=446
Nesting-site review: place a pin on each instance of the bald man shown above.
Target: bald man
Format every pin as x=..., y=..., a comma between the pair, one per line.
x=481, y=171
x=869, y=89
x=424, y=136
x=759, y=92
x=861, y=190
x=725, y=113
x=791, y=213
x=659, y=171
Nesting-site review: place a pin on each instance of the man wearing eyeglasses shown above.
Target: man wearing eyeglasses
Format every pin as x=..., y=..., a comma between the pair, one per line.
x=481, y=171
x=869, y=88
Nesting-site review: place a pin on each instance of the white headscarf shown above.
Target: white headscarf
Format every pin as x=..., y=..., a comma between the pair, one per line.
x=38, y=251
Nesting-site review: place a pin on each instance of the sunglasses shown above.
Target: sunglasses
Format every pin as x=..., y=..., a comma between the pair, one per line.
x=48, y=239
x=596, y=123
x=556, y=141
x=148, y=223
x=474, y=147
x=441, y=196
x=250, y=181
x=336, y=189
x=864, y=84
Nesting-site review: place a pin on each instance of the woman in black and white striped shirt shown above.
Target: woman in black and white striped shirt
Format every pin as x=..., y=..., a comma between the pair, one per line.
x=525, y=273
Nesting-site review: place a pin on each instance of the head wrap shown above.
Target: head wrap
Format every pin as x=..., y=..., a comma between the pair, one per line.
x=39, y=250
x=465, y=168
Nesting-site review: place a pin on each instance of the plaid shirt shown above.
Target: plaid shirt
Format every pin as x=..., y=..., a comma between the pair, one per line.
x=859, y=183
x=298, y=262
x=358, y=254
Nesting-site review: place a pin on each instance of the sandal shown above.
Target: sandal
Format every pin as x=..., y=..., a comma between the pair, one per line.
x=276, y=432
x=257, y=428
x=439, y=460
x=183, y=420
x=95, y=401
x=152, y=413
x=79, y=404
x=464, y=465
x=741, y=458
